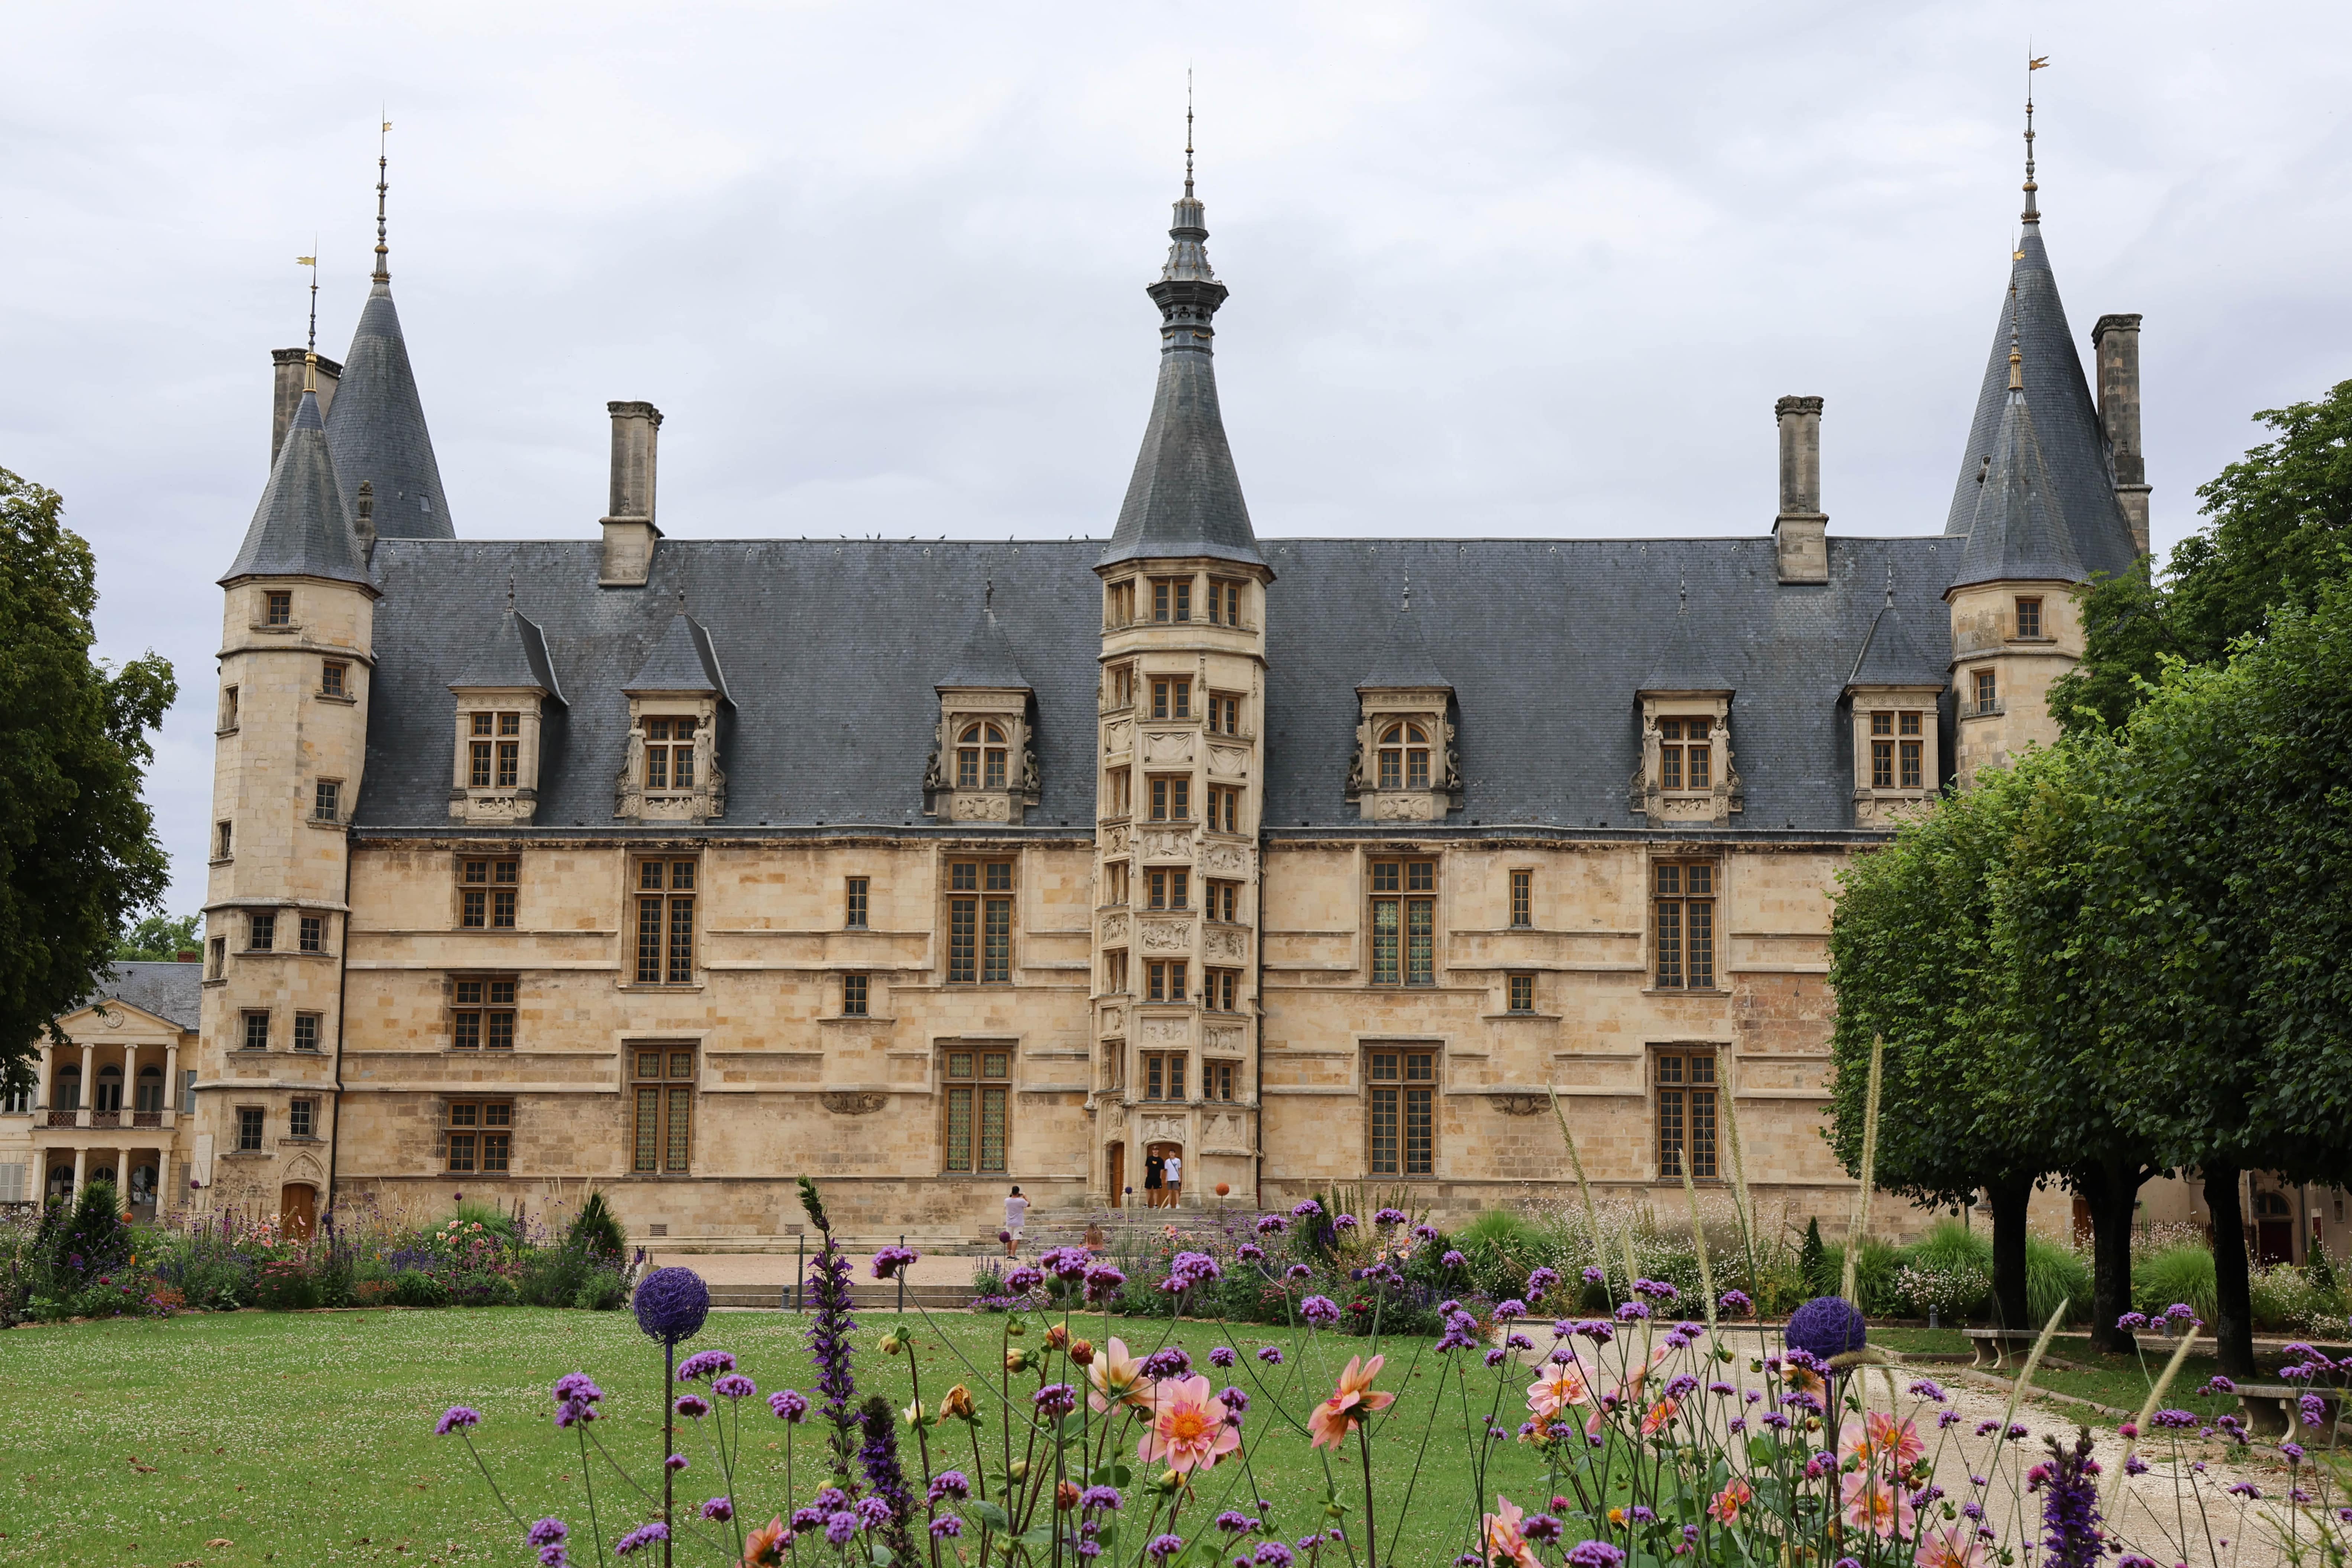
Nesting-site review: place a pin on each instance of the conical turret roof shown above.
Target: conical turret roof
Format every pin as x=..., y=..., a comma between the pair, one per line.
x=2019, y=531
x=377, y=429
x=300, y=529
x=1184, y=498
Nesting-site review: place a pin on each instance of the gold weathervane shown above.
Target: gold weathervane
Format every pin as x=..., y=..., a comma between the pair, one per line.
x=311, y=344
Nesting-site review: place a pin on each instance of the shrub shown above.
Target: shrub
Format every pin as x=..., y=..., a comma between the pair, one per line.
x=1503, y=1249
x=596, y=1232
x=601, y=1290
x=2055, y=1274
x=1873, y=1276
x=93, y=1241
x=553, y=1277
x=415, y=1288
x=286, y=1285
x=2178, y=1273
x=490, y=1217
x=2284, y=1299
x=1949, y=1271
x=1813, y=1270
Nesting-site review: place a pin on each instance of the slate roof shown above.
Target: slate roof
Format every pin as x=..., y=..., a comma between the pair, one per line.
x=173, y=992
x=684, y=661
x=986, y=659
x=513, y=656
x=833, y=649
x=1403, y=658
x=2073, y=443
x=1891, y=656
x=1684, y=662
x=1184, y=498
x=2018, y=534
x=377, y=429
x=300, y=529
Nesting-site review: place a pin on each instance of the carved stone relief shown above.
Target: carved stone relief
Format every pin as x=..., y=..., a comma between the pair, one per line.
x=843, y=1102
x=1115, y=838
x=1222, y=1040
x=1165, y=1031
x=981, y=807
x=1114, y=928
x=1165, y=936
x=1226, y=942
x=1164, y=746
x=1230, y=761
x=1163, y=1129
x=1520, y=1104
x=1225, y=860
x=1163, y=843
x=1401, y=808
x=1117, y=736
x=1112, y=1019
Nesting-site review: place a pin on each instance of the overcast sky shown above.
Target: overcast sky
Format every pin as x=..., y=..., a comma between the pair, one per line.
x=1496, y=268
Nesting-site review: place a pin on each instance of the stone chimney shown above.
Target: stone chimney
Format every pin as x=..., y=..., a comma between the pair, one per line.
x=2115, y=342
x=1800, y=531
x=629, y=530
x=285, y=392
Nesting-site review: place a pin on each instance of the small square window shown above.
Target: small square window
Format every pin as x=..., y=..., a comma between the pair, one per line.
x=261, y=932
x=280, y=608
x=1523, y=993
x=257, y=1029
x=2028, y=618
x=330, y=678
x=300, y=1117
x=326, y=800
x=312, y=933
x=1988, y=692
x=306, y=1031
x=853, y=995
x=249, y=1129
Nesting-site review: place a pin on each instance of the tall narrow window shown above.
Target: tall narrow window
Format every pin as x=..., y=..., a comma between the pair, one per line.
x=1217, y=1081
x=1172, y=799
x=260, y=932
x=1164, y=980
x=1404, y=757
x=662, y=1086
x=853, y=900
x=666, y=892
x=482, y=1015
x=228, y=708
x=1225, y=901
x=306, y=1031
x=2028, y=618
x=1220, y=990
x=979, y=921
x=1171, y=599
x=979, y=757
x=302, y=1117
x=1224, y=808
x=481, y=1135
x=331, y=674
x=1404, y=922
x=1224, y=602
x=1686, y=925
x=1224, y=714
x=1115, y=971
x=1687, y=1112
x=1119, y=604
x=1882, y=750
x=853, y=995
x=486, y=893
x=310, y=933
x=976, y=1128
x=1115, y=783
x=1988, y=692
x=1401, y=1136
x=219, y=965
x=1118, y=684
x=280, y=608
x=326, y=800
x=669, y=753
x=1523, y=993
x=1913, y=748
x=1172, y=699
x=1115, y=883
x=1523, y=899
x=249, y=1129
x=223, y=835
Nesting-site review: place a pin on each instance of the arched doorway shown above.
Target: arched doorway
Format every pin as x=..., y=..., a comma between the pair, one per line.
x=1115, y=1168
x=297, y=1210
x=1155, y=1162
x=2274, y=1229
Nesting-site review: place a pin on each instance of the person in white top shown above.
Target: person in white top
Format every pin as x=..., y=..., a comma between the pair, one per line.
x=1171, y=1177
x=1017, y=1210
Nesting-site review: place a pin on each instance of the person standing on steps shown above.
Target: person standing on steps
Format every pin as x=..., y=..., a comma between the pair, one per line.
x=1151, y=1165
x=1017, y=1211
x=1172, y=1176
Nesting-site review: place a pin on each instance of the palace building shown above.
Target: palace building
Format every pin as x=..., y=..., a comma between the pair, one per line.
x=690, y=866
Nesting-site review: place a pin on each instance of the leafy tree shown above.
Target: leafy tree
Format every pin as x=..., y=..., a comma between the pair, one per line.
x=77, y=851
x=2220, y=901
x=2281, y=529
x=159, y=939
x=1913, y=963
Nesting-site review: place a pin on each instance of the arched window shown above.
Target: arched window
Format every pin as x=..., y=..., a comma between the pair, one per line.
x=1404, y=757
x=979, y=757
x=109, y=1090
x=151, y=1089
x=65, y=1094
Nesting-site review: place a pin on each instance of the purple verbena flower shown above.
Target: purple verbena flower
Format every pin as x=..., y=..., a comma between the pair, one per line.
x=1249, y=1252
x=643, y=1535
x=891, y=1261
x=733, y=1386
x=790, y=1404
x=1306, y=1209
x=1163, y=1546
x=1736, y=1302
x=1453, y=1260
x=694, y=1407
x=1170, y=1361
x=457, y=1418
x=676, y=1462
x=719, y=1508
x=1270, y=1354
x=704, y=1364
x=1024, y=1280
x=546, y=1532
x=947, y=1527
x=840, y=1526
x=1320, y=1311
x=1103, y=1282
x=1055, y=1399
x=1595, y=1554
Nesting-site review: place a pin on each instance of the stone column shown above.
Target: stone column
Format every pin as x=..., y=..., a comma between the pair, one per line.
x=81, y=1163
x=89, y=1094
x=46, y=1067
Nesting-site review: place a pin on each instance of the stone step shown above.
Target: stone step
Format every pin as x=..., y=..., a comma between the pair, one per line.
x=868, y=1297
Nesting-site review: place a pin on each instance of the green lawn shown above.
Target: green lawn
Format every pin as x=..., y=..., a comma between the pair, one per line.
x=307, y=1437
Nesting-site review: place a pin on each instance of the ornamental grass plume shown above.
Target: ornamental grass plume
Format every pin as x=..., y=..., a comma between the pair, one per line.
x=1869, y=1164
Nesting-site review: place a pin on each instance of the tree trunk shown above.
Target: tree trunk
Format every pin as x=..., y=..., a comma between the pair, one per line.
x=2233, y=1315
x=2008, y=1200
x=2114, y=1193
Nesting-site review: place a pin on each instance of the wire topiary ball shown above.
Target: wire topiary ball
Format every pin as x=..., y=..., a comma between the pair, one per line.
x=671, y=1304
x=1826, y=1326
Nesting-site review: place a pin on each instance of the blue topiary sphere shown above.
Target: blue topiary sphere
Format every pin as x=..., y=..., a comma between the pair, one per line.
x=1826, y=1326
x=671, y=1304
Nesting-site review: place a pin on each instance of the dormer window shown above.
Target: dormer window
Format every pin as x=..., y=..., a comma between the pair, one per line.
x=1686, y=761
x=1895, y=764
x=980, y=757
x=1895, y=760
x=503, y=695
x=494, y=754
x=1404, y=757
x=1686, y=774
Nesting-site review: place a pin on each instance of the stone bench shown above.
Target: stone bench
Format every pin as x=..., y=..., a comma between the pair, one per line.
x=2272, y=1409
x=1994, y=1347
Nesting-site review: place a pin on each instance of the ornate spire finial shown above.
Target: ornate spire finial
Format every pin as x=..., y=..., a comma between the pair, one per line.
x=2016, y=355
x=1407, y=590
x=311, y=344
x=1188, y=130
x=511, y=587
x=382, y=251
x=988, y=595
x=1890, y=582
x=1682, y=595
x=2033, y=62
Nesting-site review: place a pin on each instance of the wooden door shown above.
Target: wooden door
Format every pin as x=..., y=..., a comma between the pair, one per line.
x=1118, y=1176
x=296, y=1210
x=2273, y=1241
